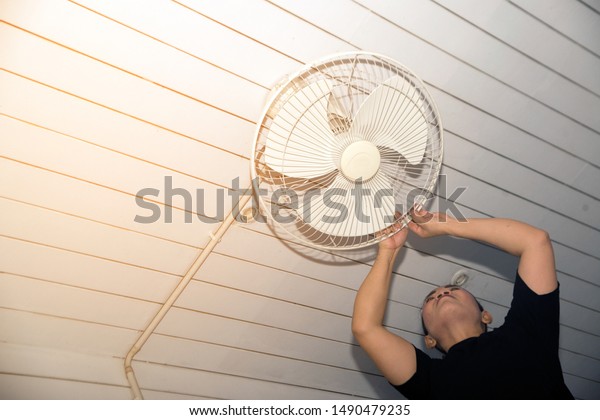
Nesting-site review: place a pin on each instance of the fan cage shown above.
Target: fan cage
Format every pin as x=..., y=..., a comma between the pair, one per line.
x=353, y=76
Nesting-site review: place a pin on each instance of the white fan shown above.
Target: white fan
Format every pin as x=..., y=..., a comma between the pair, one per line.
x=345, y=148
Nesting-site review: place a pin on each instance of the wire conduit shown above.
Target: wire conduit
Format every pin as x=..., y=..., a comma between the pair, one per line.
x=215, y=239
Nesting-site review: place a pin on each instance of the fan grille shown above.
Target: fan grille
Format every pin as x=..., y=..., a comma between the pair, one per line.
x=286, y=194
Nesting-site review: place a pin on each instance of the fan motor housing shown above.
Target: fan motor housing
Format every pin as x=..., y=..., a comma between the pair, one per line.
x=360, y=161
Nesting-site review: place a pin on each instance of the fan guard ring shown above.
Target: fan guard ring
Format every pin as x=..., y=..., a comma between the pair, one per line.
x=300, y=153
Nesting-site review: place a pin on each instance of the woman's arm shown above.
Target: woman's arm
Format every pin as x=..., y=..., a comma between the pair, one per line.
x=394, y=356
x=532, y=245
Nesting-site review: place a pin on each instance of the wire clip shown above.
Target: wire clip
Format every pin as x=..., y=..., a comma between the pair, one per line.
x=212, y=236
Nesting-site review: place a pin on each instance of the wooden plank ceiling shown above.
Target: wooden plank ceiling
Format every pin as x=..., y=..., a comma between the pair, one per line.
x=102, y=99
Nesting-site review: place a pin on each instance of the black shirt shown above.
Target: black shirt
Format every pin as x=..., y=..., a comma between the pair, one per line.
x=518, y=360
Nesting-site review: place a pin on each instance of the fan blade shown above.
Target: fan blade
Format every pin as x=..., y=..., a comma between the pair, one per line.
x=300, y=142
x=391, y=116
x=337, y=116
x=348, y=209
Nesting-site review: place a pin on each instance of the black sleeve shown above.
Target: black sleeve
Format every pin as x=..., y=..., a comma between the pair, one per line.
x=534, y=315
x=418, y=387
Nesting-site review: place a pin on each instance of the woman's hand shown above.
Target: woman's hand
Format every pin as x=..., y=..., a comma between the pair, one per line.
x=427, y=225
x=395, y=241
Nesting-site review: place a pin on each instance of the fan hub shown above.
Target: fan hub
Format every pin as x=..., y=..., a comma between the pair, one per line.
x=360, y=160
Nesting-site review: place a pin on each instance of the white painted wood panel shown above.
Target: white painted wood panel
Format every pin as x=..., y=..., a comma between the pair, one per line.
x=509, y=176
x=233, y=272
x=51, y=228
x=579, y=365
x=418, y=273
x=39, y=330
x=115, y=208
x=380, y=35
x=236, y=333
x=137, y=54
x=96, y=82
x=550, y=221
x=497, y=203
x=572, y=262
x=569, y=17
x=580, y=342
x=263, y=310
x=489, y=132
x=203, y=38
x=316, y=293
x=493, y=290
x=34, y=295
x=473, y=86
x=577, y=317
x=150, y=394
x=413, y=265
x=268, y=250
x=86, y=271
x=220, y=329
x=265, y=23
x=228, y=330
x=497, y=263
x=16, y=387
x=582, y=262
x=42, y=148
x=452, y=34
x=344, y=272
x=56, y=364
x=268, y=368
x=508, y=23
x=220, y=386
x=269, y=340
x=580, y=292
x=174, y=88
x=411, y=284
x=114, y=131
x=593, y=4
x=582, y=388
x=593, y=218
x=588, y=172
x=208, y=298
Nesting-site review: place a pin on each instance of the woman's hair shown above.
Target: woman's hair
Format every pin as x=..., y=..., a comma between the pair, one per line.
x=478, y=305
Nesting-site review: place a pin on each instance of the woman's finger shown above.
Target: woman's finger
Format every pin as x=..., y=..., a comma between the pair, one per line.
x=415, y=228
x=421, y=215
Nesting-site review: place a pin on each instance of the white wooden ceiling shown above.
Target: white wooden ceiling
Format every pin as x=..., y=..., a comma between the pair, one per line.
x=102, y=99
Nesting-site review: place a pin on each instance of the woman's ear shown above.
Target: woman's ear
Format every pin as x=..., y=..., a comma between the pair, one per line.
x=430, y=342
x=486, y=317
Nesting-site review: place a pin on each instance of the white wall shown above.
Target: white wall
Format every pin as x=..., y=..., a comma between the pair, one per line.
x=102, y=99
